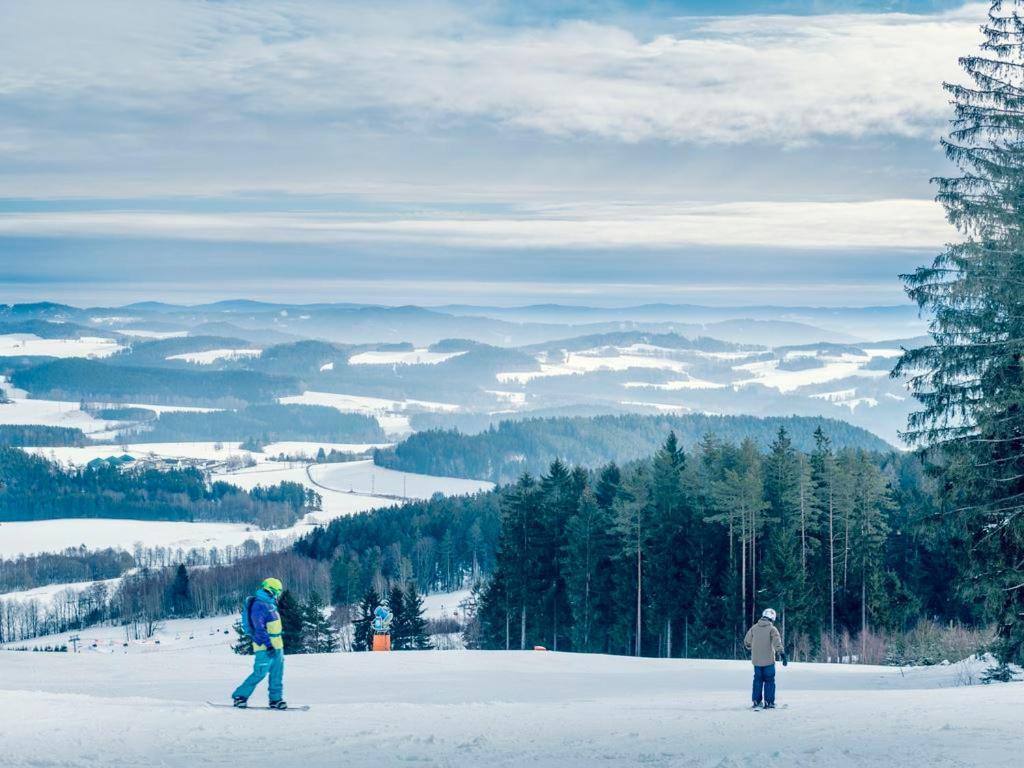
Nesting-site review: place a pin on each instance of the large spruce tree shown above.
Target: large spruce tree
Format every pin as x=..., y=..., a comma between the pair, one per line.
x=971, y=380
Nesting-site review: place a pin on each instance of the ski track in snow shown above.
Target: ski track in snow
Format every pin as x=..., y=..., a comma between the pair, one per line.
x=494, y=709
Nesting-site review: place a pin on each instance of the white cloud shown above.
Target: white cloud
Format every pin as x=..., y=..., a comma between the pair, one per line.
x=216, y=73
x=869, y=224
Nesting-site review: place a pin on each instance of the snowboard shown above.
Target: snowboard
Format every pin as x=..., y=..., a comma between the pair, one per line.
x=291, y=708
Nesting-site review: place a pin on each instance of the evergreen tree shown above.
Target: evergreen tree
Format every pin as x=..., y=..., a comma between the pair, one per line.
x=632, y=521
x=181, y=592
x=590, y=546
x=318, y=631
x=970, y=381
x=243, y=641
x=400, y=624
x=292, y=619
x=362, y=626
x=418, y=638
x=821, y=526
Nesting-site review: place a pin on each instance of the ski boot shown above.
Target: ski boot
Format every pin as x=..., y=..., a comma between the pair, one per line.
x=240, y=702
x=279, y=704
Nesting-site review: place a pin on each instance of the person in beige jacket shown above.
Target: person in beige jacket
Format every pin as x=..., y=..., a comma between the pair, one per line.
x=764, y=641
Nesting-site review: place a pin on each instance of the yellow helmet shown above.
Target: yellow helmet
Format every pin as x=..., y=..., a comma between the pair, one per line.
x=273, y=586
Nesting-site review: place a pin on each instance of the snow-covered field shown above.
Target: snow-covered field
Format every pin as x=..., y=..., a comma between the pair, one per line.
x=198, y=450
x=28, y=344
x=345, y=489
x=57, y=535
x=497, y=709
x=405, y=357
x=211, y=356
x=46, y=595
x=391, y=414
x=50, y=413
x=366, y=477
x=768, y=374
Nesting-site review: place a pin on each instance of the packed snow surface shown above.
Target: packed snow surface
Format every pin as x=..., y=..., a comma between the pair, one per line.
x=497, y=709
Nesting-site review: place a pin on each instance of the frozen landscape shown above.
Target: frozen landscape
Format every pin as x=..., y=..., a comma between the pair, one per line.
x=501, y=709
x=533, y=373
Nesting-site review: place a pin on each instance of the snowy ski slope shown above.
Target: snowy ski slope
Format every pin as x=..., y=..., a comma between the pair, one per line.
x=494, y=709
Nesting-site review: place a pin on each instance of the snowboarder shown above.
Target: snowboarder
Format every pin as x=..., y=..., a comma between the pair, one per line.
x=764, y=641
x=262, y=622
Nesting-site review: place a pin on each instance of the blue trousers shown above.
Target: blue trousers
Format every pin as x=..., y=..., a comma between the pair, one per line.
x=261, y=666
x=764, y=685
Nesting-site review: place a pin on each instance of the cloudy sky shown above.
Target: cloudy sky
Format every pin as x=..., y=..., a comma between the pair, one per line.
x=501, y=152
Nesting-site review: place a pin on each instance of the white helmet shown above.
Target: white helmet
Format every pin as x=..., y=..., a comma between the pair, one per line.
x=769, y=613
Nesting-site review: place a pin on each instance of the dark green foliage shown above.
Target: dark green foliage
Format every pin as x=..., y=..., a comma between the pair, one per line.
x=399, y=618
x=408, y=625
x=267, y=422
x=157, y=352
x=91, y=380
x=16, y=435
x=362, y=625
x=125, y=414
x=32, y=488
x=680, y=553
x=243, y=641
x=501, y=454
x=292, y=623
x=415, y=629
x=180, y=597
x=970, y=380
x=69, y=566
x=318, y=633
x=440, y=540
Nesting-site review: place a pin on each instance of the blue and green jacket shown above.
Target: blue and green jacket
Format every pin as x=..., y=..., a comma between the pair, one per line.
x=265, y=622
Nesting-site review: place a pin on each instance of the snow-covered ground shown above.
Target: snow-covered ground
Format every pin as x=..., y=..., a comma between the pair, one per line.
x=211, y=356
x=45, y=595
x=405, y=357
x=215, y=451
x=392, y=415
x=345, y=489
x=497, y=709
x=28, y=344
x=590, y=361
x=768, y=374
x=57, y=535
x=50, y=413
x=366, y=477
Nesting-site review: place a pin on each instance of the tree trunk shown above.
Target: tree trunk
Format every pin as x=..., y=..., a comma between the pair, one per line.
x=668, y=638
x=753, y=562
x=522, y=628
x=831, y=563
x=639, y=596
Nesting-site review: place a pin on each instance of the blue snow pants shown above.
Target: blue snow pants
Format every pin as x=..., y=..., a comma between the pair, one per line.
x=764, y=685
x=263, y=664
